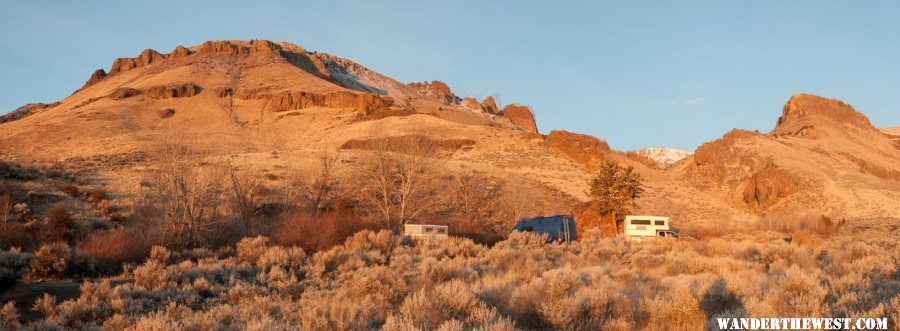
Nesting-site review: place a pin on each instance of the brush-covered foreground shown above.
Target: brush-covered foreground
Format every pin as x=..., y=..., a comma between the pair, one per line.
x=379, y=280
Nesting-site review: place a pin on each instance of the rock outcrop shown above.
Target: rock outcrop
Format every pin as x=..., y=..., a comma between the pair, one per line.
x=490, y=106
x=435, y=89
x=768, y=186
x=25, y=111
x=146, y=58
x=157, y=92
x=293, y=54
x=95, y=78
x=471, y=103
x=586, y=150
x=165, y=113
x=124, y=93
x=364, y=103
x=175, y=91
x=803, y=113
x=521, y=116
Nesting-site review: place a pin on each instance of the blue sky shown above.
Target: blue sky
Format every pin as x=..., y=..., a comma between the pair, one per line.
x=635, y=73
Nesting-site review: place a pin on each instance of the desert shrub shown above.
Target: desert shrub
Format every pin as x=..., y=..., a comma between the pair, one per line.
x=9, y=316
x=320, y=232
x=13, y=265
x=59, y=223
x=449, y=306
x=160, y=254
x=51, y=261
x=817, y=224
x=114, y=247
x=378, y=280
x=250, y=249
x=70, y=190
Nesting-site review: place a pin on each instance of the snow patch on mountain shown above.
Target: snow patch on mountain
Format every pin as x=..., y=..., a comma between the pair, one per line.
x=664, y=156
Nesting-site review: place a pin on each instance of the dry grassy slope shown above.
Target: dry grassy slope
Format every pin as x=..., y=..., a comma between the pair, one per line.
x=825, y=165
x=892, y=131
x=80, y=127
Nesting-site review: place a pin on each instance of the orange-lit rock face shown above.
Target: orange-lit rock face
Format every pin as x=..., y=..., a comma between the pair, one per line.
x=435, y=89
x=363, y=103
x=490, y=106
x=803, y=113
x=768, y=186
x=177, y=91
x=522, y=117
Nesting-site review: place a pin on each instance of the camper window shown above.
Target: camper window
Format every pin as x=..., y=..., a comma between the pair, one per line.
x=441, y=231
x=640, y=222
x=429, y=230
x=660, y=222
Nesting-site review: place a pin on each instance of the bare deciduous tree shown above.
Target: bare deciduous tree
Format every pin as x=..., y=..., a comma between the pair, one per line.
x=185, y=196
x=474, y=201
x=517, y=202
x=397, y=178
x=320, y=189
x=244, y=195
x=314, y=189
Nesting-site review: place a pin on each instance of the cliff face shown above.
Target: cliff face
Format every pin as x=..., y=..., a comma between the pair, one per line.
x=366, y=104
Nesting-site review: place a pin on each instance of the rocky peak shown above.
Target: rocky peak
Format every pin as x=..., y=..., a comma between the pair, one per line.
x=95, y=78
x=471, y=103
x=490, y=105
x=436, y=89
x=803, y=114
x=146, y=58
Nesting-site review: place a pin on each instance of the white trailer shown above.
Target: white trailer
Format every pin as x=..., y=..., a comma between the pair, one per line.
x=647, y=227
x=425, y=231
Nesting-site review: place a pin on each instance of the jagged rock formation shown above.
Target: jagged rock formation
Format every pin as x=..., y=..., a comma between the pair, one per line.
x=25, y=111
x=344, y=74
x=146, y=58
x=176, y=91
x=471, y=103
x=95, y=78
x=436, y=89
x=803, y=112
x=363, y=103
x=490, y=106
x=124, y=93
x=158, y=92
x=822, y=156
